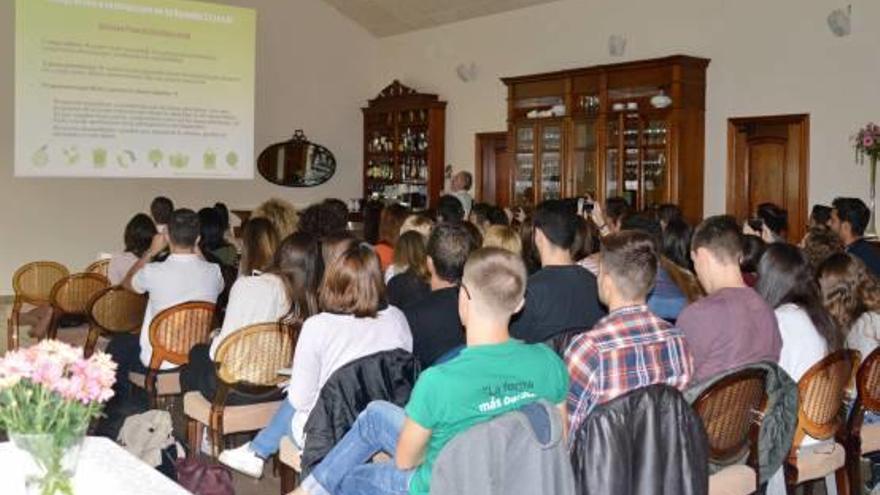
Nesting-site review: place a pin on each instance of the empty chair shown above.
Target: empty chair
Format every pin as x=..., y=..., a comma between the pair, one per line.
x=247, y=361
x=111, y=311
x=71, y=297
x=173, y=333
x=864, y=439
x=32, y=284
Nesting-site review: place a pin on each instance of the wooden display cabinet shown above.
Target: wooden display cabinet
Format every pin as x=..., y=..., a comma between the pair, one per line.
x=604, y=131
x=404, y=146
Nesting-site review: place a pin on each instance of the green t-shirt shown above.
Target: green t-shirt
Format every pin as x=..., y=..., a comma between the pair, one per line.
x=481, y=383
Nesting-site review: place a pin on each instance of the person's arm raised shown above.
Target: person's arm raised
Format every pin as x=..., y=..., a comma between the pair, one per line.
x=412, y=445
x=160, y=242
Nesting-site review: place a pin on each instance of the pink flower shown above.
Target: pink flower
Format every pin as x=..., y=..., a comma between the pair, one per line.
x=868, y=141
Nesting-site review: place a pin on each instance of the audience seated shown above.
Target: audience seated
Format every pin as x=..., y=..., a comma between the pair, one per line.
x=161, y=209
x=139, y=233
x=773, y=222
x=449, y=209
x=849, y=219
x=561, y=295
x=223, y=211
x=478, y=385
x=391, y=220
x=676, y=243
x=212, y=239
x=733, y=325
x=281, y=214
x=327, y=217
x=607, y=221
x=820, y=216
x=586, y=239
x=411, y=282
x=355, y=322
x=184, y=276
x=259, y=241
x=631, y=347
x=479, y=216
x=415, y=222
x=504, y=237
x=434, y=320
x=819, y=243
x=668, y=213
x=852, y=296
x=286, y=292
x=753, y=249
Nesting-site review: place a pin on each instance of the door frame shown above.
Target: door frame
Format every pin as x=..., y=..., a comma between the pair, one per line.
x=481, y=139
x=797, y=219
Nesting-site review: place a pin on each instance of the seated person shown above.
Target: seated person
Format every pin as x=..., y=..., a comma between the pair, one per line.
x=409, y=284
x=259, y=243
x=449, y=209
x=849, y=219
x=139, y=233
x=852, y=296
x=503, y=237
x=390, y=221
x=184, y=276
x=161, y=209
x=286, y=292
x=561, y=295
x=212, y=242
x=477, y=386
x=733, y=325
x=753, y=249
x=773, y=222
x=434, y=320
x=355, y=322
x=607, y=221
x=631, y=347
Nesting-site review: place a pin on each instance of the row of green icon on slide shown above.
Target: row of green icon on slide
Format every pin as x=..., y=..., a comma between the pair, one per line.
x=100, y=158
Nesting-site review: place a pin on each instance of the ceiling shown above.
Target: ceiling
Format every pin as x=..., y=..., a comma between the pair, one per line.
x=390, y=17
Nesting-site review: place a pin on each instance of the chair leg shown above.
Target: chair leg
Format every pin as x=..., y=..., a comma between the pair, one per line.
x=790, y=473
x=216, y=439
x=289, y=479
x=52, y=332
x=843, y=486
x=194, y=436
x=91, y=341
x=150, y=388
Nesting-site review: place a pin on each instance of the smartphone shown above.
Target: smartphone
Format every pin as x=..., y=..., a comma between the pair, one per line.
x=756, y=224
x=585, y=205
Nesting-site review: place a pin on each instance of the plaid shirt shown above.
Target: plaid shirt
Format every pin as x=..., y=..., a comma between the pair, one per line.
x=628, y=349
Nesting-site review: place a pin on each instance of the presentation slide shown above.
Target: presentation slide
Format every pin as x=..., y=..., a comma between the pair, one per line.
x=134, y=88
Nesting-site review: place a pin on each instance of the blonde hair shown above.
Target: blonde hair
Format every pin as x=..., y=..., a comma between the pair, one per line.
x=495, y=280
x=419, y=223
x=504, y=237
x=282, y=215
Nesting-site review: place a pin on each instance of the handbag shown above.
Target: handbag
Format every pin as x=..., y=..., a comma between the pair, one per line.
x=202, y=478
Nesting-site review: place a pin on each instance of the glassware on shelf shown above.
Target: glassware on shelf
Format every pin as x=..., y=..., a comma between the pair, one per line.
x=585, y=173
x=590, y=104
x=655, y=133
x=585, y=135
x=551, y=178
x=612, y=160
x=551, y=138
x=525, y=139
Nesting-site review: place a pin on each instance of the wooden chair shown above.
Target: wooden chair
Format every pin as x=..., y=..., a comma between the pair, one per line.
x=732, y=410
x=821, y=392
x=71, y=296
x=101, y=267
x=111, y=311
x=173, y=333
x=864, y=439
x=247, y=360
x=32, y=284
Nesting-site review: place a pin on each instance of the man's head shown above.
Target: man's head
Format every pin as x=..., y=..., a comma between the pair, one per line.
x=462, y=181
x=449, y=209
x=820, y=216
x=616, y=209
x=492, y=289
x=716, y=246
x=775, y=220
x=161, y=209
x=183, y=229
x=556, y=226
x=849, y=218
x=627, y=268
x=449, y=246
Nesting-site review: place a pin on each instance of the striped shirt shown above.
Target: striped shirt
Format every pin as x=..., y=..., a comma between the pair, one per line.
x=628, y=349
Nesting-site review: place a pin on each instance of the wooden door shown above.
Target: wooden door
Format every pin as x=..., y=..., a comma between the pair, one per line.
x=492, y=169
x=768, y=161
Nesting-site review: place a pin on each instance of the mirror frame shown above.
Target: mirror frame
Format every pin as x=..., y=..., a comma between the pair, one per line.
x=298, y=139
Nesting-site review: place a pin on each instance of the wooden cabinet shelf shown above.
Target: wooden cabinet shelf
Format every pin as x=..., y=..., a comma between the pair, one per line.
x=598, y=131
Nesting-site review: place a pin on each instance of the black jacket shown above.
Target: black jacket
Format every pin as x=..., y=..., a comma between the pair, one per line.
x=387, y=375
x=647, y=442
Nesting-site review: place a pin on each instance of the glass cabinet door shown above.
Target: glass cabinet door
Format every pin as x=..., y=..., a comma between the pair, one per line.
x=586, y=175
x=654, y=177
x=612, y=160
x=551, y=162
x=524, y=174
x=631, y=158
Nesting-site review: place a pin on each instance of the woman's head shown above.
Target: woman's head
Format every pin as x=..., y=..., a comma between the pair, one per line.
x=504, y=237
x=410, y=254
x=668, y=213
x=353, y=284
x=139, y=233
x=392, y=218
x=820, y=243
x=419, y=223
x=211, y=229
x=281, y=214
x=259, y=240
x=586, y=239
x=676, y=243
x=753, y=249
x=298, y=263
x=332, y=245
x=848, y=289
x=785, y=277
x=224, y=215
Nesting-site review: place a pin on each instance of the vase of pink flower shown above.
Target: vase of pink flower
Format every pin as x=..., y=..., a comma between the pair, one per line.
x=49, y=393
x=867, y=144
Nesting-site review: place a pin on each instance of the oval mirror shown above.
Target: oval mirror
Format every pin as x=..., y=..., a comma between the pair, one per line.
x=296, y=163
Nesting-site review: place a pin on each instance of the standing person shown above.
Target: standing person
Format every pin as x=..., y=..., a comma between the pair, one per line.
x=561, y=295
x=161, y=209
x=631, y=347
x=477, y=386
x=732, y=325
x=849, y=219
x=139, y=233
x=434, y=320
x=355, y=322
x=461, y=187
x=852, y=296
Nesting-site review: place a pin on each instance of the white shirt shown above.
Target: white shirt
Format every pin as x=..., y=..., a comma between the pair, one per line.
x=802, y=346
x=864, y=336
x=254, y=299
x=330, y=341
x=178, y=279
x=120, y=264
x=467, y=201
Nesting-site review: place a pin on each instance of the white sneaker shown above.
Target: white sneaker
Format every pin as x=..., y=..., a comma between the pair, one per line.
x=243, y=460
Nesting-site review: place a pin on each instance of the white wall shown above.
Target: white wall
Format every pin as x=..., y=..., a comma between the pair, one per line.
x=312, y=73
x=768, y=57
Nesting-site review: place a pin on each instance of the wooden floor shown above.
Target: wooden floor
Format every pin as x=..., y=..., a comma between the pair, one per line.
x=244, y=485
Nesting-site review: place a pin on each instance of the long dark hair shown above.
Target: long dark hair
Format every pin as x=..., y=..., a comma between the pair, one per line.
x=676, y=243
x=139, y=234
x=785, y=276
x=298, y=263
x=211, y=229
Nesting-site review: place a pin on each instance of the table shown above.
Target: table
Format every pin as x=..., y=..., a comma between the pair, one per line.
x=104, y=468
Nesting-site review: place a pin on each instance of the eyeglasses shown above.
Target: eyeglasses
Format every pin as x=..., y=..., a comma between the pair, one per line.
x=467, y=293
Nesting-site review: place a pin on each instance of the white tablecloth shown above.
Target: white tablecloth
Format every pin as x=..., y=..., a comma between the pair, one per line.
x=104, y=468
